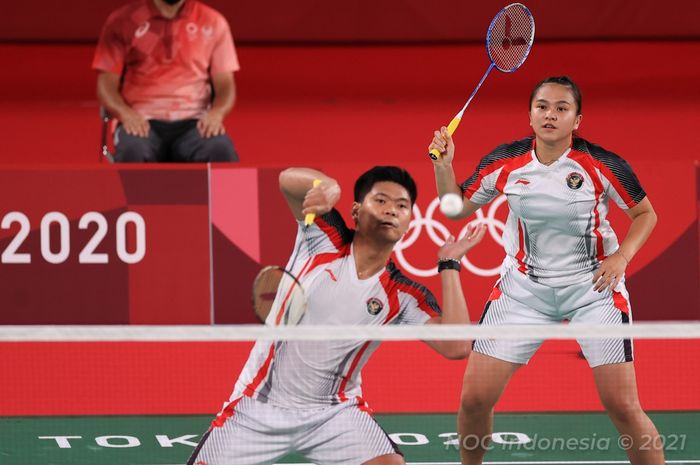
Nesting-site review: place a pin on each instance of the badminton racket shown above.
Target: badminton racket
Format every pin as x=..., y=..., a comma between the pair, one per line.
x=278, y=296
x=508, y=42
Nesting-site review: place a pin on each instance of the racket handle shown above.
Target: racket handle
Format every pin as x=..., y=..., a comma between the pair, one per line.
x=451, y=128
x=310, y=217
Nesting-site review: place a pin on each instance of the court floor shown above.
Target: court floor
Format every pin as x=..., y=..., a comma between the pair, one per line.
x=426, y=439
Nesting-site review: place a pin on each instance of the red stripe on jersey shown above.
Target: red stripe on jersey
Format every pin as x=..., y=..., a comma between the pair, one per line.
x=621, y=303
x=520, y=256
x=603, y=168
x=262, y=373
x=304, y=269
x=330, y=272
x=622, y=192
x=332, y=233
x=419, y=296
x=490, y=169
x=348, y=375
x=225, y=414
x=323, y=258
x=391, y=288
x=362, y=405
x=280, y=314
x=392, y=296
x=495, y=293
x=471, y=190
x=311, y=263
x=588, y=163
x=511, y=165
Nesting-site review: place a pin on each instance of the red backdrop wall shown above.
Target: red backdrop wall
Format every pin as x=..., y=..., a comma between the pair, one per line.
x=372, y=20
x=207, y=231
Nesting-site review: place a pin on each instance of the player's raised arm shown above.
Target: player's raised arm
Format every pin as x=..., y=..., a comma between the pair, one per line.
x=454, y=306
x=445, y=179
x=297, y=186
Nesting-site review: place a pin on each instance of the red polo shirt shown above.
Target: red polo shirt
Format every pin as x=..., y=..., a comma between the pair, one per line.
x=166, y=63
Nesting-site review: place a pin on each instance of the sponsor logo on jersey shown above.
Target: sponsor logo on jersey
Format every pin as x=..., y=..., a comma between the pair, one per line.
x=522, y=181
x=374, y=305
x=142, y=30
x=574, y=180
x=208, y=31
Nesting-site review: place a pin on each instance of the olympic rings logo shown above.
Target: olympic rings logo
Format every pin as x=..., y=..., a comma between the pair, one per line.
x=438, y=233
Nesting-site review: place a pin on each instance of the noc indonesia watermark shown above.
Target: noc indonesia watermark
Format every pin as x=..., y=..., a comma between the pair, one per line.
x=513, y=442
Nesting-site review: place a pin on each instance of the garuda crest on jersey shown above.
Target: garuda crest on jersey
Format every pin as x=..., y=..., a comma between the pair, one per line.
x=374, y=305
x=574, y=180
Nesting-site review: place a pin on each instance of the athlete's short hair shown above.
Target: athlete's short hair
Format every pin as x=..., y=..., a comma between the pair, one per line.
x=562, y=81
x=377, y=174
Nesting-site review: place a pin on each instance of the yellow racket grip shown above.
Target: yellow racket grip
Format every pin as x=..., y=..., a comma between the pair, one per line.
x=309, y=218
x=451, y=128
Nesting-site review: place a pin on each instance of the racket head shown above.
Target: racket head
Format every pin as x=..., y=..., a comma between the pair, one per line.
x=510, y=37
x=278, y=297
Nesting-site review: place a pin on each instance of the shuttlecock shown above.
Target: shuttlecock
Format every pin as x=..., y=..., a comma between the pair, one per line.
x=451, y=205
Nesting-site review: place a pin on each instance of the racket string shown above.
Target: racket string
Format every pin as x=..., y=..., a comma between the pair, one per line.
x=278, y=297
x=510, y=38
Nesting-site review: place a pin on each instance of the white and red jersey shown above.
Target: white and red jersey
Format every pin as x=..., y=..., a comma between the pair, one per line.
x=307, y=374
x=557, y=231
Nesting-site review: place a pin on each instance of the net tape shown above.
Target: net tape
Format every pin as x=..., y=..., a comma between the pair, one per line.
x=70, y=333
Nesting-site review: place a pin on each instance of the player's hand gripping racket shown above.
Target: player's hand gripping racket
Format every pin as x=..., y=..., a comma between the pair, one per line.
x=508, y=43
x=278, y=296
x=309, y=218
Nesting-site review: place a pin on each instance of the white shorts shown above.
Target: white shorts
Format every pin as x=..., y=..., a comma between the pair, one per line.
x=517, y=299
x=260, y=433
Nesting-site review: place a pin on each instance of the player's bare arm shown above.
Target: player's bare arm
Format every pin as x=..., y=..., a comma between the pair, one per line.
x=302, y=197
x=108, y=93
x=454, y=306
x=445, y=178
x=613, y=268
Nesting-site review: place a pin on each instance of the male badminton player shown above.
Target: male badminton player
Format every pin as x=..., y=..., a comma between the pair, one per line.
x=306, y=397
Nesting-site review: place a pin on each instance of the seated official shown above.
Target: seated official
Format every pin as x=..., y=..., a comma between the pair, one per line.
x=166, y=73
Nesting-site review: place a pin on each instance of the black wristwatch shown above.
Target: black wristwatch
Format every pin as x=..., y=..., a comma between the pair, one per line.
x=449, y=264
